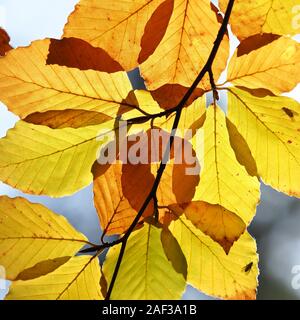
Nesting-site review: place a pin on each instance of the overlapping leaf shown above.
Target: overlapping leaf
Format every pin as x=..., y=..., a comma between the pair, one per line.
x=77, y=279
x=264, y=16
x=185, y=48
x=271, y=126
x=119, y=27
x=210, y=269
x=152, y=275
x=54, y=162
x=250, y=68
x=121, y=189
x=28, y=85
x=224, y=182
x=30, y=234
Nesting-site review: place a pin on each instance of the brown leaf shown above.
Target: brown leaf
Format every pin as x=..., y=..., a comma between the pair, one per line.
x=255, y=42
x=176, y=186
x=155, y=29
x=169, y=95
x=69, y=118
x=42, y=268
x=77, y=53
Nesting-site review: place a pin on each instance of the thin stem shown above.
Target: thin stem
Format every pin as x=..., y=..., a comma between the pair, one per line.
x=178, y=109
x=213, y=86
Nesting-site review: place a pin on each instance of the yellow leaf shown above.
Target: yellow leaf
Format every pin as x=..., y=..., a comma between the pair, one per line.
x=254, y=71
x=145, y=273
x=77, y=279
x=28, y=85
x=186, y=46
x=263, y=16
x=223, y=180
x=54, y=162
x=211, y=270
x=30, y=233
x=116, y=26
x=270, y=125
x=220, y=224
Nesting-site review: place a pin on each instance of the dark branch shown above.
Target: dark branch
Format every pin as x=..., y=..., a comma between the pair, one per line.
x=178, y=109
x=213, y=85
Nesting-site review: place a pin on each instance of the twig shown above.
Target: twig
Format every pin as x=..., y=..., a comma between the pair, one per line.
x=178, y=109
x=213, y=86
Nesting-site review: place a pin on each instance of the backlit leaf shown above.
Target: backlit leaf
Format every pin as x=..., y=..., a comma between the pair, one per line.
x=224, y=181
x=118, y=27
x=40, y=160
x=30, y=233
x=77, y=279
x=271, y=126
x=254, y=71
x=185, y=48
x=145, y=273
x=28, y=85
x=264, y=16
x=210, y=269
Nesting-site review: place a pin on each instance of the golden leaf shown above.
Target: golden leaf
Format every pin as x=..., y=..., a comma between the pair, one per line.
x=77, y=279
x=145, y=273
x=270, y=125
x=30, y=233
x=185, y=48
x=263, y=16
x=210, y=269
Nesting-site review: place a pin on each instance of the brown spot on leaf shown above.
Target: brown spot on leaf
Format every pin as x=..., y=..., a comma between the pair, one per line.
x=290, y=113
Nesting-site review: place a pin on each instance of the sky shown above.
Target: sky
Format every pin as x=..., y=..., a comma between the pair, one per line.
x=276, y=226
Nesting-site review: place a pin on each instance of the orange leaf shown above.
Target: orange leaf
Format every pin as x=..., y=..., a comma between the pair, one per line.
x=186, y=46
x=114, y=210
x=118, y=27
